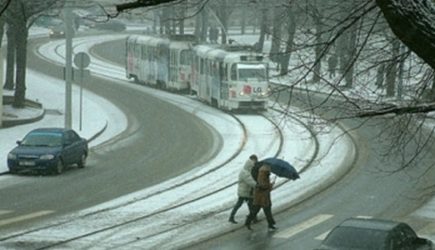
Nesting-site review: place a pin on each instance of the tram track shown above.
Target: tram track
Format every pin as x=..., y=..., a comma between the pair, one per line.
x=149, y=216
x=149, y=220
x=157, y=216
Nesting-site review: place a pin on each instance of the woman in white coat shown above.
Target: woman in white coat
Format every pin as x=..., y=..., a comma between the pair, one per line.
x=245, y=187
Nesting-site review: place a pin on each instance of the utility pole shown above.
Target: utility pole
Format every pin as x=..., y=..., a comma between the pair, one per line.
x=69, y=33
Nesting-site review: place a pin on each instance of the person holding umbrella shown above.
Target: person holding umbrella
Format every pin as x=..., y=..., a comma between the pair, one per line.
x=262, y=198
x=245, y=187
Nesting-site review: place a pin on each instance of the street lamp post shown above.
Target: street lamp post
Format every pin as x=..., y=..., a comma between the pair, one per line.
x=69, y=33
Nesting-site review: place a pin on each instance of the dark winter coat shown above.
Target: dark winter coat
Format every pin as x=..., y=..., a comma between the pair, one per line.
x=263, y=188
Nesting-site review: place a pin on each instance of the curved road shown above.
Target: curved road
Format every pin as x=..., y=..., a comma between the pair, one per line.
x=372, y=188
x=161, y=142
x=365, y=191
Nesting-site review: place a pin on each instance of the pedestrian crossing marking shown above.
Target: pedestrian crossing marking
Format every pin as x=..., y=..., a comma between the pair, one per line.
x=5, y=212
x=323, y=235
x=428, y=229
x=24, y=217
x=364, y=217
x=289, y=232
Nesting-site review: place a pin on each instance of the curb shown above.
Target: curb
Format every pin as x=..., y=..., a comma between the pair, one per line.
x=7, y=123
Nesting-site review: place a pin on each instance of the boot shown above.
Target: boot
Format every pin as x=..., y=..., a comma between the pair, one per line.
x=231, y=219
x=248, y=223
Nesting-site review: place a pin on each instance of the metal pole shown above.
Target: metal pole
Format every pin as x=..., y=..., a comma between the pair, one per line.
x=81, y=98
x=1, y=90
x=68, y=64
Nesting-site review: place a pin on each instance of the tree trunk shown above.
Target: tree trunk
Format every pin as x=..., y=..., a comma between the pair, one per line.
x=2, y=30
x=391, y=75
x=198, y=23
x=223, y=15
x=276, y=35
x=263, y=29
x=351, y=54
x=181, y=19
x=432, y=96
x=20, y=90
x=10, y=59
x=380, y=75
x=204, y=26
x=289, y=44
x=412, y=22
x=166, y=20
x=156, y=21
x=318, y=47
x=346, y=47
x=243, y=23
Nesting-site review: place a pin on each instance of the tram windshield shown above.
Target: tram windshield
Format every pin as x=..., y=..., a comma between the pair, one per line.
x=252, y=71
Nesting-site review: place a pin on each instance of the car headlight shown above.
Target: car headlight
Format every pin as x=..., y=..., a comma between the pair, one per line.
x=12, y=156
x=46, y=157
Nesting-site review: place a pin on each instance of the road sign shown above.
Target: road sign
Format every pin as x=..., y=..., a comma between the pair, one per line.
x=82, y=60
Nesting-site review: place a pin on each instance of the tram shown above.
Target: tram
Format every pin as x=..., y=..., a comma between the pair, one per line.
x=230, y=77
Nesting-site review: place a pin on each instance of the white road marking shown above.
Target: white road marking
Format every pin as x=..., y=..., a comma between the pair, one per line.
x=5, y=212
x=323, y=235
x=24, y=217
x=287, y=233
x=364, y=217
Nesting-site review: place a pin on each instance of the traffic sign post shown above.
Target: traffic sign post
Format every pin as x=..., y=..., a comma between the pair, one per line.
x=81, y=61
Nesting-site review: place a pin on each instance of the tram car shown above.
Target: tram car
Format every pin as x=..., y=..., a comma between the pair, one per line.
x=163, y=62
x=227, y=77
x=230, y=77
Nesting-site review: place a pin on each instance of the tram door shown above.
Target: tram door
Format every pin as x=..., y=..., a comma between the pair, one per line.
x=215, y=80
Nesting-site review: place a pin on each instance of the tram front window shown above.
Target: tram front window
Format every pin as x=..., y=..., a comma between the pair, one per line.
x=248, y=72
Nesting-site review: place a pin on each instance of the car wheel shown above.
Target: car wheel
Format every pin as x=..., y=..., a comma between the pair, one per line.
x=82, y=162
x=59, y=167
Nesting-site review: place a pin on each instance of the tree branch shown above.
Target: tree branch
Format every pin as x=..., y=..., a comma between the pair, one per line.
x=413, y=22
x=141, y=3
x=393, y=109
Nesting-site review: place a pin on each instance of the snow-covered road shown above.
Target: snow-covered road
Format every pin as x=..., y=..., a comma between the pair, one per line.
x=130, y=221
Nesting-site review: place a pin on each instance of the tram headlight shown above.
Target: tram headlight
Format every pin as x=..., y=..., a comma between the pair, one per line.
x=266, y=92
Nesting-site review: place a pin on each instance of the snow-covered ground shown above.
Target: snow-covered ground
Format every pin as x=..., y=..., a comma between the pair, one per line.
x=298, y=148
x=330, y=164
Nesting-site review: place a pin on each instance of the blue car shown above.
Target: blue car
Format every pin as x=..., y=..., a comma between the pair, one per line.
x=48, y=150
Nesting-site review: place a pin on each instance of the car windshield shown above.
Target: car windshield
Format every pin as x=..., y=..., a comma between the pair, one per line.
x=42, y=139
x=356, y=238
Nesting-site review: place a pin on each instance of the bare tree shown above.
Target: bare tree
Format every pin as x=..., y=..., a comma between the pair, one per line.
x=20, y=15
x=291, y=31
x=10, y=58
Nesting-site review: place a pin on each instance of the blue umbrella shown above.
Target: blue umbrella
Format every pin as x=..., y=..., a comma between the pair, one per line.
x=281, y=168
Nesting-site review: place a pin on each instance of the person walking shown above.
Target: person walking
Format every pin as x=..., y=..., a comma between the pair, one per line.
x=245, y=187
x=262, y=198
